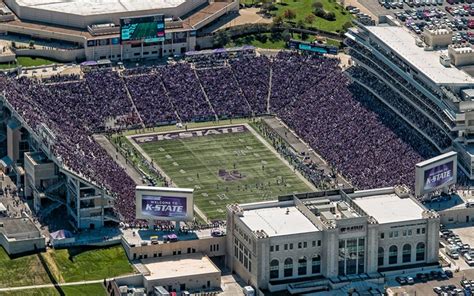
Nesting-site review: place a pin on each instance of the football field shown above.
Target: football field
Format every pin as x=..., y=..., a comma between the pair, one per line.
x=224, y=165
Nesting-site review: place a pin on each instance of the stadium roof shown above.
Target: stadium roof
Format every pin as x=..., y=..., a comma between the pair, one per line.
x=94, y=7
x=400, y=41
x=276, y=221
x=390, y=208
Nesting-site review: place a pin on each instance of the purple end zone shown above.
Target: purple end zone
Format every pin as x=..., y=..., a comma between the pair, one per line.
x=189, y=134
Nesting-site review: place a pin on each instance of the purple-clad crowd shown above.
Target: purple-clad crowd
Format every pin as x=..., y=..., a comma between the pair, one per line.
x=358, y=136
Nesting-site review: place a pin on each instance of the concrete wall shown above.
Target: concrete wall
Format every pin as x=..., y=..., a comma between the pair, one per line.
x=166, y=249
x=457, y=216
x=13, y=247
x=54, y=54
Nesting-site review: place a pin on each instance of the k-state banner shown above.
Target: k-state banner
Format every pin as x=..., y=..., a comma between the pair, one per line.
x=438, y=175
x=164, y=206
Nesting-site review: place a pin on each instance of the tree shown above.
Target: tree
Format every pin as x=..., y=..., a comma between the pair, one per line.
x=289, y=14
x=221, y=38
x=330, y=16
x=300, y=24
x=310, y=18
x=346, y=26
x=320, y=12
x=32, y=44
x=317, y=4
x=286, y=35
x=277, y=21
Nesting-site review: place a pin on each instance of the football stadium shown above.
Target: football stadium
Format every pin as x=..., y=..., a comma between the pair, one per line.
x=288, y=168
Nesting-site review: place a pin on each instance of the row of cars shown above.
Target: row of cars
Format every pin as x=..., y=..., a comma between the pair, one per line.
x=467, y=287
x=394, y=4
x=455, y=248
x=425, y=277
x=461, y=10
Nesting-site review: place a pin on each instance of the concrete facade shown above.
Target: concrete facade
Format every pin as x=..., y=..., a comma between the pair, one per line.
x=347, y=246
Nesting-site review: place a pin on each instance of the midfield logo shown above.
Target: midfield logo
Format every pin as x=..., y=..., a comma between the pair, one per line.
x=190, y=134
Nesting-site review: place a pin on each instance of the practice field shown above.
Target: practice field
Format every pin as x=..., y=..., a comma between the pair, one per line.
x=223, y=164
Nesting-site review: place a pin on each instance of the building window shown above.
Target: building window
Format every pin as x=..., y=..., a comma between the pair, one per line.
x=404, y=233
x=382, y=235
x=393, y=255
x=305, y=244
x=418, y=231
x=316, y=264
x=288, y=267
x=314, y=243
x=291, y=246
x=271, y=248
x=319, y=243
x=409, y=232
x=390, y=235
x=420, y=251
x=274, y=269
x=380, y=256
x=423, y=230
x=285, y=247
x=277, y=248
x=299, y=245
x=302, y=266
x=406, y=256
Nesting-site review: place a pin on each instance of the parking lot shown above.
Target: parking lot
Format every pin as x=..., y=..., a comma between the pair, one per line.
x=427, y=288
x=417, y=14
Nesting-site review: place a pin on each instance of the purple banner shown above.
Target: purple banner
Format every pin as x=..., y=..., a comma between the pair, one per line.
x=164, y=206
x=438, y=175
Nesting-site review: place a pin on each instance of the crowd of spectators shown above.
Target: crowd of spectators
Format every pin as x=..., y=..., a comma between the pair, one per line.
x=358, y=135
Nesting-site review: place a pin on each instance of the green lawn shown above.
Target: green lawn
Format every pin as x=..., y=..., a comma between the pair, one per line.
x=275, y=41
x=304, y=7
x=92, y=264
x=195, y=163
x=23, y=271
x=81, y=290
x=28, y=62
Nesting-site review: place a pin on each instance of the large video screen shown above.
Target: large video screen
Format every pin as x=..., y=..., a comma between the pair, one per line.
x=146, y=28
x=164, y=206
x=436, y=173
x=164, y=203
x=438, y=176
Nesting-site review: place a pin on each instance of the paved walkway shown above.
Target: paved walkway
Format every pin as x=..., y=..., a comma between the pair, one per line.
x=50, y=285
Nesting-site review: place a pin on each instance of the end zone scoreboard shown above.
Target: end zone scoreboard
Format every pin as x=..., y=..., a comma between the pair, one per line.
x=436, y=173
x=164, y=203
x=146, y=29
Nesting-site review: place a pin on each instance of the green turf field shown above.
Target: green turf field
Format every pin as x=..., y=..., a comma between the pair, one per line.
x=223, y=169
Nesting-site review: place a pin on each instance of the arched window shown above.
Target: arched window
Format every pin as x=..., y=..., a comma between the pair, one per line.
x=274, y=269
x=406, y=254
x=288, y=267
x=302, y=263
x=316, y=264
x=393, y=255
x=420, y=252
x=381, y=255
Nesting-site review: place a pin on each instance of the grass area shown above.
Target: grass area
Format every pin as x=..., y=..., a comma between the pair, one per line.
x=254, y=172
x=274, y=41
x=80, y=290
x=28, y=62
x=91, y=264
x=303, y=8
x=23, y=271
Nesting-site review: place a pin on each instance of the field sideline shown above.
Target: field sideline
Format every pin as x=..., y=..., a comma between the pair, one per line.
x=222, y=166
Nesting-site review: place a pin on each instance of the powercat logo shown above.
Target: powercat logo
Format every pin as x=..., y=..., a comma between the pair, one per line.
x=190, y=134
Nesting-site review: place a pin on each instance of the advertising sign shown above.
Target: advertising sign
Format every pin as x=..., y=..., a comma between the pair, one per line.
x=438, y=175
x=164, y=206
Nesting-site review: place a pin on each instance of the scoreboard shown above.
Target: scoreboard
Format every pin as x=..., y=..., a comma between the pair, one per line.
x=146, y=29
